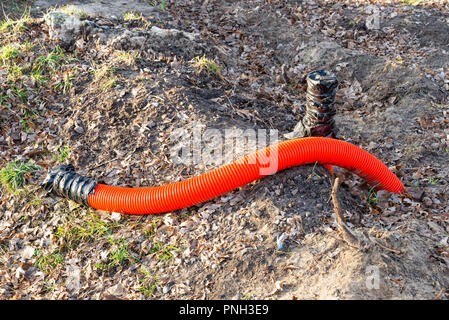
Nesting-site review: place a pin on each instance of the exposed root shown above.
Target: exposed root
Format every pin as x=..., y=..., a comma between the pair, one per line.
x=348, y=235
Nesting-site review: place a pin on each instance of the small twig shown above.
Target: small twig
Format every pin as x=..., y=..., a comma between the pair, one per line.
x=384, y=247
x=339, y=239
x=348, y=236
x=438, y=296
x=290, y=267
x=375, y=241
x=300, y=225
x=103, y=163
x=284, y=75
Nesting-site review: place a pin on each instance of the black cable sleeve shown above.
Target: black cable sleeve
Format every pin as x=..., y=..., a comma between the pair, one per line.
x=320, y=104
x=63, y=181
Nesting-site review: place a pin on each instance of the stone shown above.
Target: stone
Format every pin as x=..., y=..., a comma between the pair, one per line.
x=415, y=193
x=116, y=291
x=64, y=28
x=79, y=129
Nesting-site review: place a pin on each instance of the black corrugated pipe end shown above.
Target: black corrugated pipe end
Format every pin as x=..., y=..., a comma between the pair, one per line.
x=63, y=181
x=320, y=107
x=320, y=104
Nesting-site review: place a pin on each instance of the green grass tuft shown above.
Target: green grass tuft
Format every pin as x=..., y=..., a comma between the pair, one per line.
x=9, y=53
x=149, y=283
x=48, y=262
x=16, y=173
x=154, y=4
x=131, y=15
x=203, y=63
x=89, y=229
x=118, y=256
x=64, y=153
x=15, y=26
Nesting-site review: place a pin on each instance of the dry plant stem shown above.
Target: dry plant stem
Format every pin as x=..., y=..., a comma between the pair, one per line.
x=438, y=296
x=375, y=241
x=348, y=236
x=386, y=248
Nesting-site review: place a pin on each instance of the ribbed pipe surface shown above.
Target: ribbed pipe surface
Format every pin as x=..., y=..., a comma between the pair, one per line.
x=209, y=185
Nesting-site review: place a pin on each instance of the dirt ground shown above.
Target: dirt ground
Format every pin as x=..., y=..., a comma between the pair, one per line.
x=130, y=82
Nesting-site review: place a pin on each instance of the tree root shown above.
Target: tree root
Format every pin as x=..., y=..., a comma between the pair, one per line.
x=348, y=235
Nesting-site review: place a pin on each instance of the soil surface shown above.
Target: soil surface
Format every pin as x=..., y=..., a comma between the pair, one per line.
x=134, y=82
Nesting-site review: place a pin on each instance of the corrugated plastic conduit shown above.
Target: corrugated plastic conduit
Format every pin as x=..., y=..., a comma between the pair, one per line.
x=64, y=181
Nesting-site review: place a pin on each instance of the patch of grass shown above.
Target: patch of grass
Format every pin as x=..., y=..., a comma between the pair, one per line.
x=73, y=10
x=65, y=83
x=129, y=58
x=203, y=63
x=27, y=115
x=35, y=202
x=64, y=153
x=47, y=287
x=10, y=53
x=22, y=93
x=3, y=248
x=118, y=256
x=314, y=174
x=131, y=15
x=150, y=231
x=412, y=2
x=104, y=75
x=90, y=228
x=27, y=112
x=103, y=72
x=16, y=173
x=372, y=196
x=49, y=262
x=109, y=84
x=162, y=250
x=155, y=4
x=149, y=283
x=246, y=296
x=51, y=61
x=25, y=125
x=13, y=8
x=15, y=24
x=412, y=149
x=41, y=79
x=49, y=64
x=433, y=181
x=3, y=97
x=16, y=71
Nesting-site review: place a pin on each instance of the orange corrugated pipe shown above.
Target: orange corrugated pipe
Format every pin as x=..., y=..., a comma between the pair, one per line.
x=326, y=151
